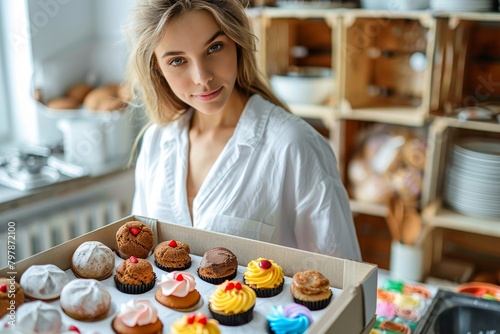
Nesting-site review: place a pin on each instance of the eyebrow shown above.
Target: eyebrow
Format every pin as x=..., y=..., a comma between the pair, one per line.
x=210, y=40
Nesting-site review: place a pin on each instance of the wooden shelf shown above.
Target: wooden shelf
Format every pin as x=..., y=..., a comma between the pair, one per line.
x=447, y=218
x=372, y=209
x=389, y=115
x=470, y=125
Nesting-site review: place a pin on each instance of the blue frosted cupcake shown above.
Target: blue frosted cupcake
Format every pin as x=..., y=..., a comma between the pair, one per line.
x=292, y=318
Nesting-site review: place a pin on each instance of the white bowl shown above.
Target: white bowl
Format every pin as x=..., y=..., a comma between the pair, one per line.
x=306, y=85
x=395, y=4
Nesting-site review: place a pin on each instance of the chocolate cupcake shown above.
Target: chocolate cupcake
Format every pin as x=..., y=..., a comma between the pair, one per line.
x=172, y=255
x=134, y=239
x=218, y=265
x=311, y=289
x=135, y=276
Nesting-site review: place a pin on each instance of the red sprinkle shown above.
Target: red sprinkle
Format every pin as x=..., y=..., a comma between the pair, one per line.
x=202, y=319
x=172, y=243
x=3, y=288
x=135, y=231
x=73, y=328
x=179, y=278
x=133, y=259
x=238, y=286
x=265, y=264
x=229, y=286
x=190, y=318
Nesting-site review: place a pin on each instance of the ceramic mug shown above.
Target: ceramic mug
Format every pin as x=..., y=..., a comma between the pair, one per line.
x=406, y=262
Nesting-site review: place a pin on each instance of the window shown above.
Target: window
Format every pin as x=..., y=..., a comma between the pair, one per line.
x=4, y=94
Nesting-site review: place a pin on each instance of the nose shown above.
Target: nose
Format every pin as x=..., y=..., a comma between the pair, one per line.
x=202, y=73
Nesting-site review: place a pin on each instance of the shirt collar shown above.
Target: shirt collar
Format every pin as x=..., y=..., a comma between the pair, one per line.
x=249, y=129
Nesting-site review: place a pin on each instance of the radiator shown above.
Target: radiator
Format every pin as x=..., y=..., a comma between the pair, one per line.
x=50, y=229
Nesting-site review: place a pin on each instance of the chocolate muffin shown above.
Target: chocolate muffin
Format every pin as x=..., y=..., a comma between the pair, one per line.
x=172, y=255
x=218, y=265
x=135, y=276
x=134, y=239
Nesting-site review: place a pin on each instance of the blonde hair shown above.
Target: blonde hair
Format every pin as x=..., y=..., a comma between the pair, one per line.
x=147, y=22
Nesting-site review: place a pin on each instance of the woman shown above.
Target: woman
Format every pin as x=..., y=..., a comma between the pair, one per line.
x=222, y=153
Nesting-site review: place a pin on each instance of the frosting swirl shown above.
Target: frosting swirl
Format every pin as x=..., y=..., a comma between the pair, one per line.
x=232, y=297
x=385, y=296
x=261, y=276
x=137, y=312
x=385, y=309
x=293, y=318
x=407, y=301
x=177, y=284
x=195, y=324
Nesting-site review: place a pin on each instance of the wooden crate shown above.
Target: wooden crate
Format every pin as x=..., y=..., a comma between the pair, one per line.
x=349, y=138
x=443, y=134
x=470, y=73
x=294, y=38
x=378, y=82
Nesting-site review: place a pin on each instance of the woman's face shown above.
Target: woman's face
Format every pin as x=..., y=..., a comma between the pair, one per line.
x=199, y=62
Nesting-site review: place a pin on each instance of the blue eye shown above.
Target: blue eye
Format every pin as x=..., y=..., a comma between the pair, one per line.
x=176, y=62
x=215, y=48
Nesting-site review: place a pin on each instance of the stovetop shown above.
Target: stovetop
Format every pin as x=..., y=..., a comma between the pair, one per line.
x=32, y=167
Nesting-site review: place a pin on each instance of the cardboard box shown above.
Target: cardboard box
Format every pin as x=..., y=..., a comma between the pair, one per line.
x=352, y=311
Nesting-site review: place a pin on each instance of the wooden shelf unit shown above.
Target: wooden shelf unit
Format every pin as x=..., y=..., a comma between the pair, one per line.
x=377, y=78
x=375, y=84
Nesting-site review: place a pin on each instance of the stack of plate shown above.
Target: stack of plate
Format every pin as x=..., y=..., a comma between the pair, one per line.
x=463, y=5
x=472, y=180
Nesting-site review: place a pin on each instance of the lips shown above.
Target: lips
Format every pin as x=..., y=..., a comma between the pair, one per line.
x=209, y=95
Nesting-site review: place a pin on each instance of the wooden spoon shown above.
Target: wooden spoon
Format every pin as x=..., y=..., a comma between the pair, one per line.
x=412, y=226
x=395, y=217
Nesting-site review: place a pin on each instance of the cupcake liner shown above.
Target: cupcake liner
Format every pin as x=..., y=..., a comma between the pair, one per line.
x=170, y=269
x=135, y=289
x=214, y=280
x=268, y=292
x=315, y=306
x=233, y=319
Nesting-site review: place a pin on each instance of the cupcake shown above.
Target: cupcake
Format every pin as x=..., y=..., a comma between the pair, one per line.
x=195, y=323
x=218, y=265
x=85, y=300
x=134, y=276
x=137, y=316
x=177, y=291
x=10, y=292
x=134, y=239
x=43, y=282
x=232, y=303
x=265, y=277
x=311, y=289
x=39, y=317
x=290, y=319
x=93, y=259
x=172, y=255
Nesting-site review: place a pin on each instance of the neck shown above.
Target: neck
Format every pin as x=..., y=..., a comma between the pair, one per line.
x=228, y=117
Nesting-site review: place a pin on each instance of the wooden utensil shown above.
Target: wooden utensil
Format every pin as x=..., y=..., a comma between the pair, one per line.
x=395, y=217
x=411, y=226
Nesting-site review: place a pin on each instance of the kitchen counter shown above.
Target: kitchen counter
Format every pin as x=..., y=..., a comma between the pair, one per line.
x=11, y=199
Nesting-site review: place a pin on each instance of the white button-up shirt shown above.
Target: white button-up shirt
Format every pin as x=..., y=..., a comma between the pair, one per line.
x=276, y=180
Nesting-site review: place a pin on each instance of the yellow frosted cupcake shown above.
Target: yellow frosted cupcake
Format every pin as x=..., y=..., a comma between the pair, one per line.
x=232, y=303
x=265, y=277
x=195, y=324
